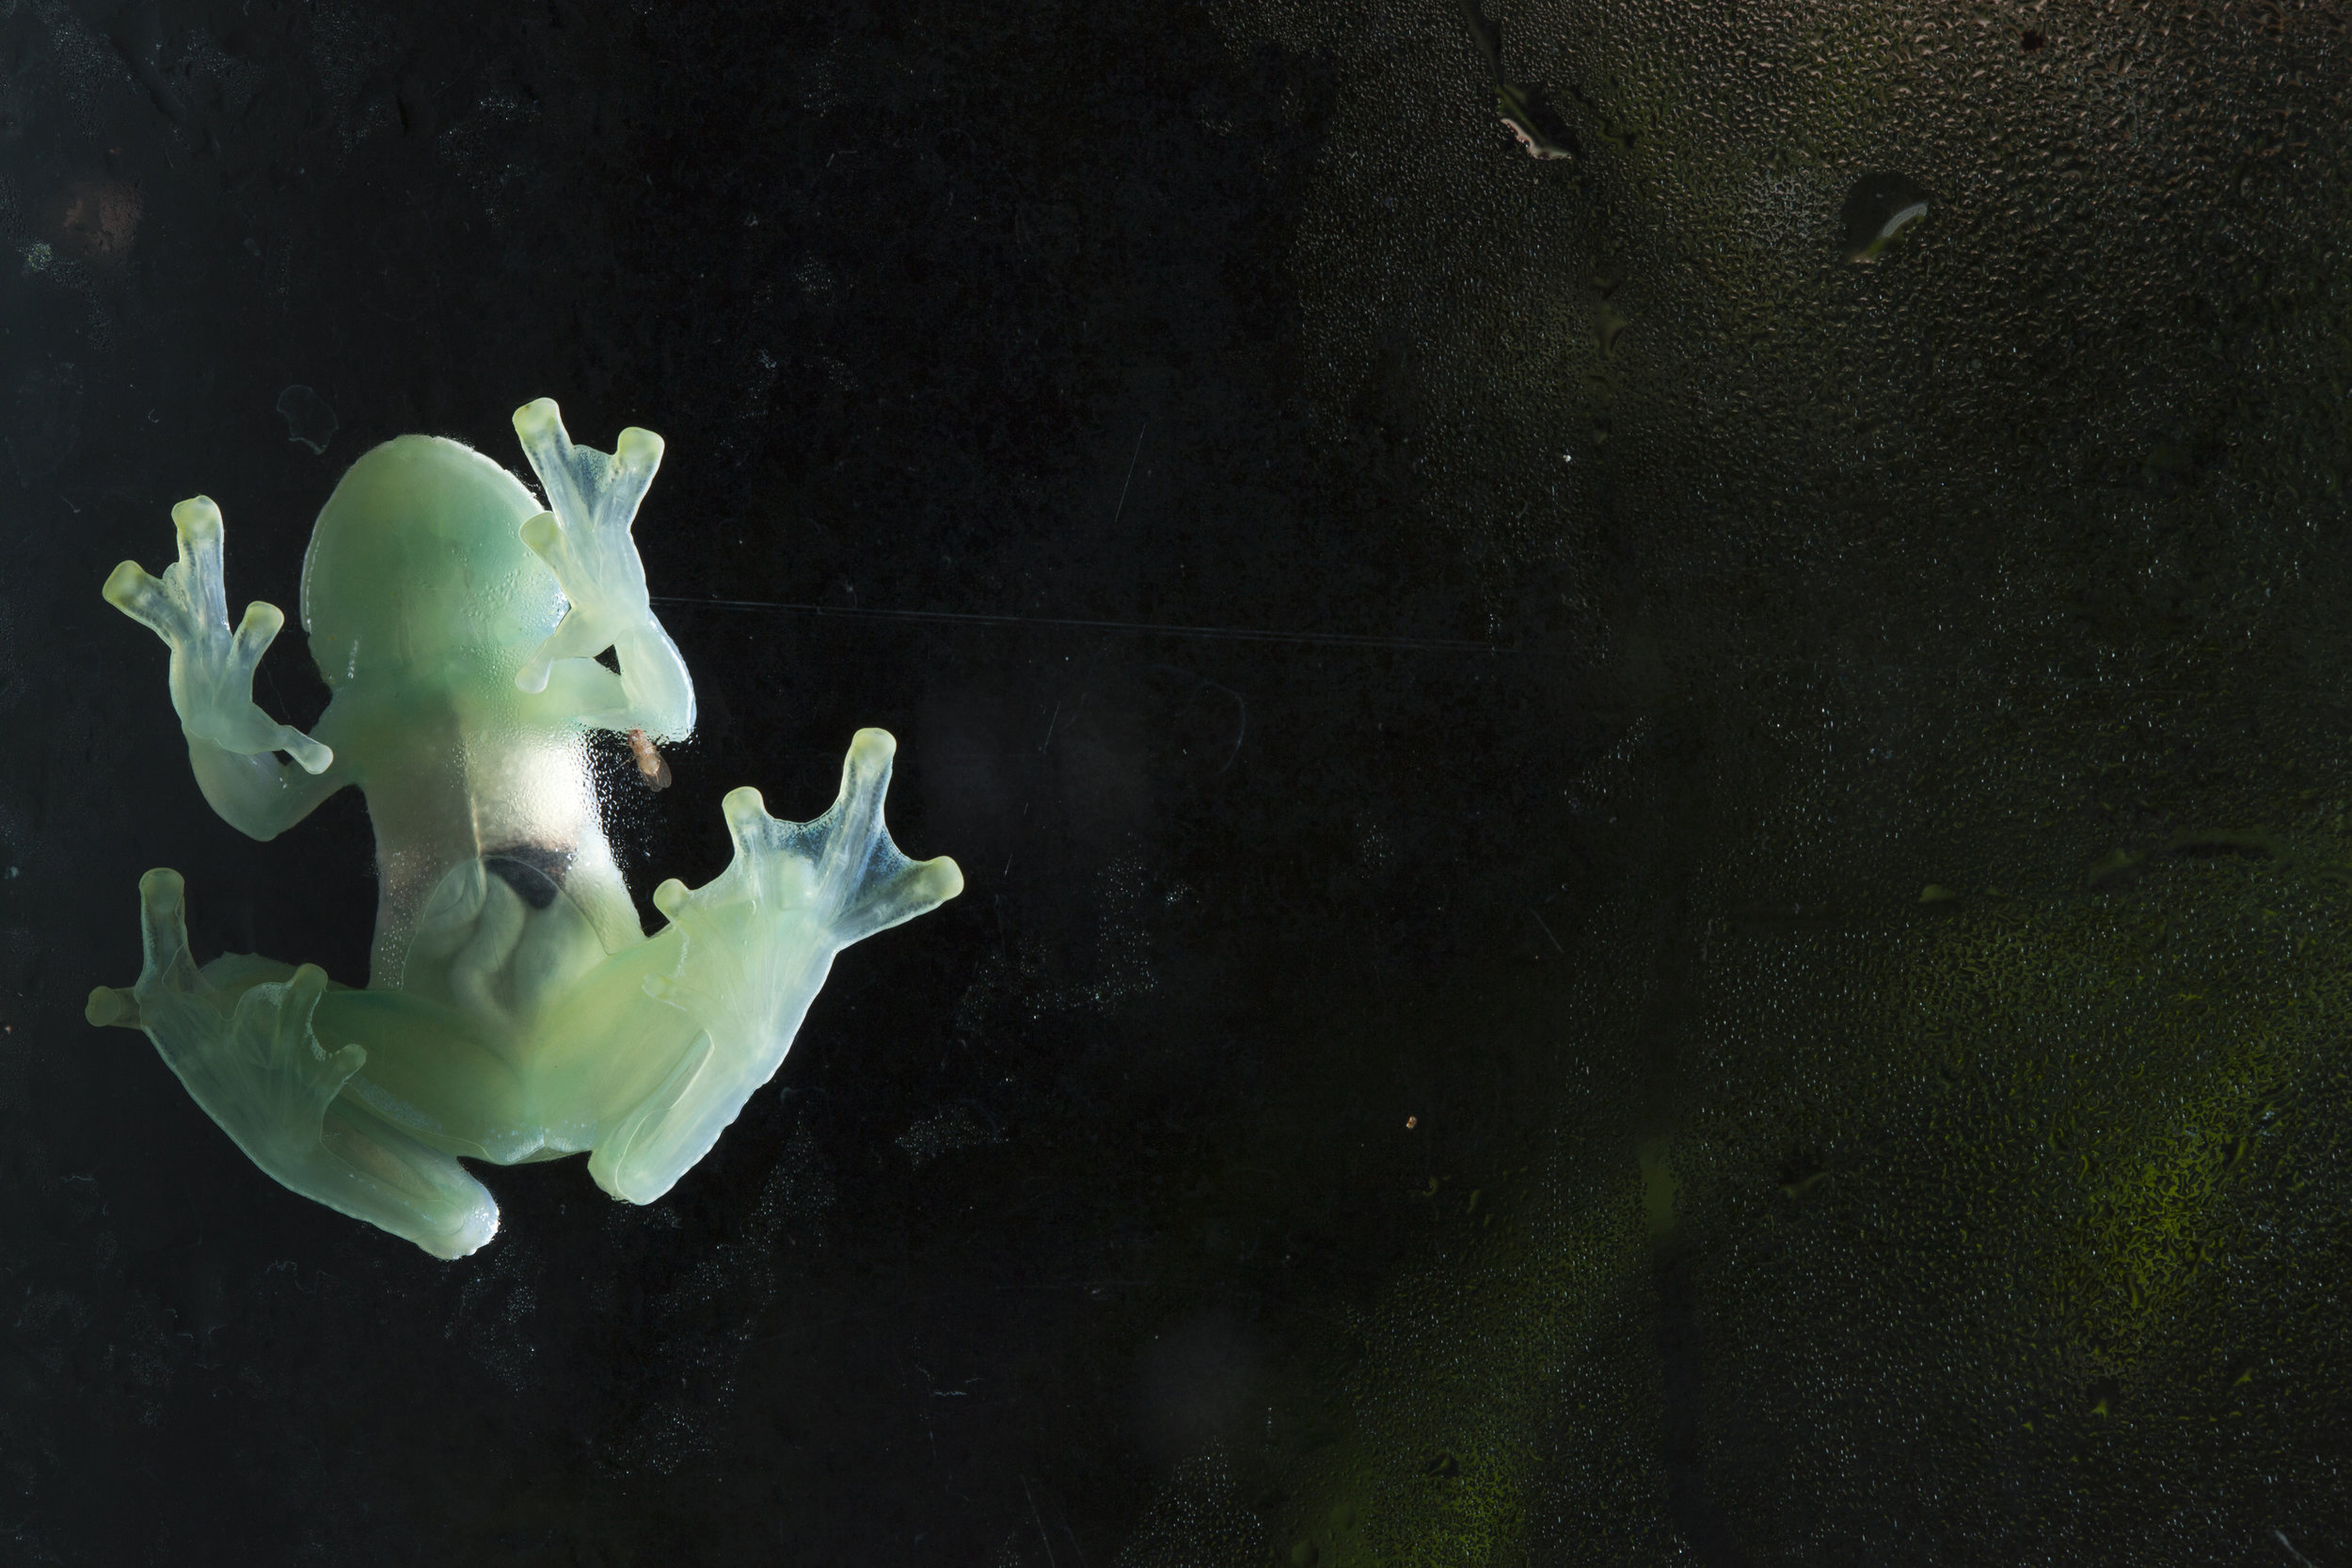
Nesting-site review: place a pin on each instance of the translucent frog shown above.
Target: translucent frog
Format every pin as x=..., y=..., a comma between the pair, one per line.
x=516, y=1010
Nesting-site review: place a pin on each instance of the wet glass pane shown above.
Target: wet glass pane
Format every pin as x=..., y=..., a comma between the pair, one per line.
x=1642, y=709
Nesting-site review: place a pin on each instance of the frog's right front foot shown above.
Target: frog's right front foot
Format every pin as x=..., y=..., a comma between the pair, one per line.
x=242, y=1042
x=585, y=538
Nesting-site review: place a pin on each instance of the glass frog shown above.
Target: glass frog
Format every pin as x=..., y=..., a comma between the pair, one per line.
x=516, y=1010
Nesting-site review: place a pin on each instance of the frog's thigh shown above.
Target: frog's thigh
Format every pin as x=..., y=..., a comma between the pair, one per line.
x=606, y=1045
x=432, y=1073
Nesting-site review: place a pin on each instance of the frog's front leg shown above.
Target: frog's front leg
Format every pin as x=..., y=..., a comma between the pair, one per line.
x=756, y=945
x=239, y=1035
x=230, y=738
x=585, y=538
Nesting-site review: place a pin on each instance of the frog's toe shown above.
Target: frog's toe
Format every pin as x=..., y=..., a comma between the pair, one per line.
x=164, y=933
x=112, y=1004
x=198, y=522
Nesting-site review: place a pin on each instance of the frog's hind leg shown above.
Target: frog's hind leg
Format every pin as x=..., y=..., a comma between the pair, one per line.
x=752, y=948
x=239, y=1035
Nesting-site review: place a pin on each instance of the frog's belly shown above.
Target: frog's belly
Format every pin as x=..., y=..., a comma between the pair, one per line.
x=515, y=1036
x=503, y=935
x=500, y=944
x=498, y=902
x=454, y=822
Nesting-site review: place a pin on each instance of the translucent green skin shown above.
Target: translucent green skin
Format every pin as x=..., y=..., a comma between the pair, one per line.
x=516, y=1010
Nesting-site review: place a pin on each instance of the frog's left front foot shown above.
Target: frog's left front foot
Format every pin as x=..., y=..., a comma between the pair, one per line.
x=243, y=1044
x=758, y=943
x=212, y=667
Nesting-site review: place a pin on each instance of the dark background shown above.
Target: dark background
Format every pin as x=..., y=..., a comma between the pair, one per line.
x=1819, y=789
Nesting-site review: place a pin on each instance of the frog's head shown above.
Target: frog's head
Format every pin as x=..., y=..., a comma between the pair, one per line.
x=417, y=569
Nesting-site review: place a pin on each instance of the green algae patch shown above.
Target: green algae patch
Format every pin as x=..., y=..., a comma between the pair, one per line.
x=1441, y=1431
x=2148, y=1043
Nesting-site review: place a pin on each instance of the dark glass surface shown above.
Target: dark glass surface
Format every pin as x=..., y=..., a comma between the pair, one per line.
x=1638, y=892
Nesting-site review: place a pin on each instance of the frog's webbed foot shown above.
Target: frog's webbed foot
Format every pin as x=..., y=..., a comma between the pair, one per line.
x=758, y=943
x=212, y=667
x=585, y=538
x=245, y=1049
